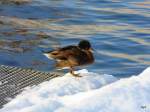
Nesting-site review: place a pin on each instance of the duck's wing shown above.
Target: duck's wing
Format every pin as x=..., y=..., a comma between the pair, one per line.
x=62, y=53
x=68, y=48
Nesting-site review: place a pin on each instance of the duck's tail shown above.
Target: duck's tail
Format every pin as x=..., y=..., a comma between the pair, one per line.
x=48, y=55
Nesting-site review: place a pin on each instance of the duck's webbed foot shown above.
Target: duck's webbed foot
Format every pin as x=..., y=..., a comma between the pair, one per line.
x=75, y=75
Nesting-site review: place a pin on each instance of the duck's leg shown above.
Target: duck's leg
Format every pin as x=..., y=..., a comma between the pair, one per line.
x=72, y=72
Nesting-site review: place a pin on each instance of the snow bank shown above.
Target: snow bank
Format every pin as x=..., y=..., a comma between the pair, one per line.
x=91, y=93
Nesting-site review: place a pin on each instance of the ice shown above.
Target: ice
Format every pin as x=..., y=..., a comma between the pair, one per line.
x=91, y=93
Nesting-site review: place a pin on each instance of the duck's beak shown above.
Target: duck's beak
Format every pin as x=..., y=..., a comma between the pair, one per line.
x=92, y=50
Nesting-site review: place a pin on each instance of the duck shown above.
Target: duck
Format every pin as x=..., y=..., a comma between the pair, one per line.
x=72, y=56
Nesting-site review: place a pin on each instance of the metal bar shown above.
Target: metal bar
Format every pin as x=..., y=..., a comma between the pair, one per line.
x=13, y=80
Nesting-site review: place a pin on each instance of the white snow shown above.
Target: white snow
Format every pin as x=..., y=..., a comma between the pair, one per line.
x=91, y=93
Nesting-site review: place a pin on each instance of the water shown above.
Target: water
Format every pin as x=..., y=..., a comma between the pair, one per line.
x=119, y=31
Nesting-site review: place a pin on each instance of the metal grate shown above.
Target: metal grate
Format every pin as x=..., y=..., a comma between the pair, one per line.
x=13, y=80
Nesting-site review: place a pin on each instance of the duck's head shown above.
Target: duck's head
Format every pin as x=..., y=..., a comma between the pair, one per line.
x=85, y=45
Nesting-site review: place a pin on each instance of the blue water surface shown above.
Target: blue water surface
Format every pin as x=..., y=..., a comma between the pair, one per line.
x=119, y=31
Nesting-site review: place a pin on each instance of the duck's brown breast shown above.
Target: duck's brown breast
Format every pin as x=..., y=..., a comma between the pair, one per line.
x=84, y=58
